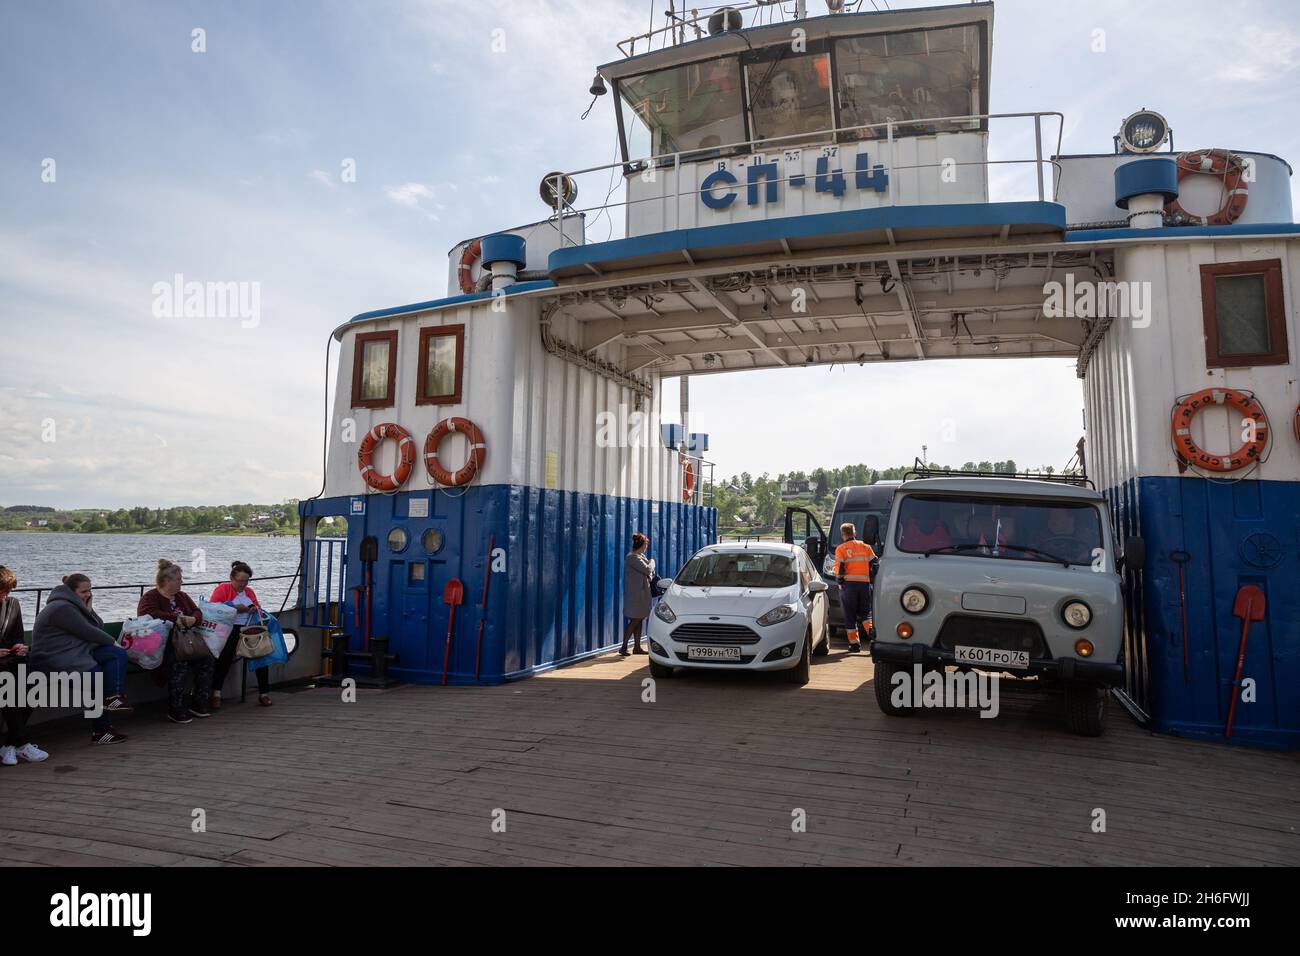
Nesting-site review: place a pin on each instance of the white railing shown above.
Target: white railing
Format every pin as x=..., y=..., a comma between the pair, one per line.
x=683, y=26
x=816, y=138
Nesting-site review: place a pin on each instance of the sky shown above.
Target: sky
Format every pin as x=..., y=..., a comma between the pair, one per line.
x=327, y=155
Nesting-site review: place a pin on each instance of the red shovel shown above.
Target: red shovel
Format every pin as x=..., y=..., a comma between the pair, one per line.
x=1249, y=606
x=453, y=594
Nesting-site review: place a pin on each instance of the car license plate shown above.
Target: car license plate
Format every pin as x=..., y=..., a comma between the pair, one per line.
x=697, y=653
x=991, y=657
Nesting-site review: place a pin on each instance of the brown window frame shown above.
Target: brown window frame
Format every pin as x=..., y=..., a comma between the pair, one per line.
x=422, y=378
x=1274, y=313
x=390, y=398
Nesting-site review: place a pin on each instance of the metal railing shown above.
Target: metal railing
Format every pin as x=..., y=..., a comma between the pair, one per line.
x=813, y=140
x=680, y=22
x=141, y=588
x=702, y=494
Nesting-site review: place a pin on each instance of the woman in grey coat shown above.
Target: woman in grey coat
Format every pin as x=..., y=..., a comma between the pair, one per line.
x=638, y=572
x=69, y=637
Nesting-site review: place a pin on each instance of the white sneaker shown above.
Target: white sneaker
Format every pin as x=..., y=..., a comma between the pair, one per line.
x=32, y=753
x=8, y=757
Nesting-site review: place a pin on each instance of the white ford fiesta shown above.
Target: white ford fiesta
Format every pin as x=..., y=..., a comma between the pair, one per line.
x=756, y=606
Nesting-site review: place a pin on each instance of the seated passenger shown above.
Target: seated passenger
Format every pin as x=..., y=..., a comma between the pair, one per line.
x=237, y=592
x=14, y=744
x=69, y=637
x=168, y=602
x=923, y=529
x=1063, y=536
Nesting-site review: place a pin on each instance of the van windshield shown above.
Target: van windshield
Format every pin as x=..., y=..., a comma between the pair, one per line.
x=857, y=518
x=732, y=569
x=1050, y=531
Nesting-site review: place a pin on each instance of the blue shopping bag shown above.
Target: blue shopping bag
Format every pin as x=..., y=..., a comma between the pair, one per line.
x=281, y=653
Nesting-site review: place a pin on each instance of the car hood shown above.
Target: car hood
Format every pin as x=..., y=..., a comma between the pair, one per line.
x=726, y=602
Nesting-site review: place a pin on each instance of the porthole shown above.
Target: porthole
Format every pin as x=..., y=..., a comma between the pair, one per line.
x=432, y=541
x=397, y=540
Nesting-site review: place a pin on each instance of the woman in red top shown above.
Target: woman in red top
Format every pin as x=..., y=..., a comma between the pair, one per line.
x=237, y=592
x=168, y=602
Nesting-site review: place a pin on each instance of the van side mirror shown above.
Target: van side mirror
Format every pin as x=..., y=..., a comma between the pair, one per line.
x=1135, y=553
x=871, y=529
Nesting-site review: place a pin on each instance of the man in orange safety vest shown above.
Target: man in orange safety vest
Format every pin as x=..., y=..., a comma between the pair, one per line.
x=853, y=574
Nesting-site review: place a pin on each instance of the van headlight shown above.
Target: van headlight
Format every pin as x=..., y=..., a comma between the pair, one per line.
x=1076, y=614
x=664, y=612
x=914, y=600
x=782, y=613
x=828, y=566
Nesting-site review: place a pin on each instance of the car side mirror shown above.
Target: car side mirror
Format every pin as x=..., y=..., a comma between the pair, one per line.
x=817, y=587
x=661, y=586
x=1135, y=553
x=871, y=529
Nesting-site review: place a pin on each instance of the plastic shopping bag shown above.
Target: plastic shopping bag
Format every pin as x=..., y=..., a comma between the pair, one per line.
x=145, y=641
x=217, y=624
x=281, y=653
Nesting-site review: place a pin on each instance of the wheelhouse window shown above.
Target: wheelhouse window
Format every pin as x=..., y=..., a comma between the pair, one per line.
x=374, y=370
x=909, y=77
x=730, y=569
x=1055, y=532
x=685, y=108
x=442, y=365
x=789, y=95
x=1244, y=314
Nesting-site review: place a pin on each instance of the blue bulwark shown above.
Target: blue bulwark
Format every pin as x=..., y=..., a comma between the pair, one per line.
x=1232, y=534
x=556, y=574
x=1158, y=174
x=819, y=230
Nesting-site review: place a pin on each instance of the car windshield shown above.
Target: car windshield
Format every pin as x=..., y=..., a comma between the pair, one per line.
x=733, y=569
x=1052, y=531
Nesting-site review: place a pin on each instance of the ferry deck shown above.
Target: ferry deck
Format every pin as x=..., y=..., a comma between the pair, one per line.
x=895, y=233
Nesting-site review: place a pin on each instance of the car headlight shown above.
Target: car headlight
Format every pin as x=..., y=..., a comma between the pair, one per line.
x=664, y=612
x=828, y=566
x=777, y=614
x=914, y=600
x=1076, y=614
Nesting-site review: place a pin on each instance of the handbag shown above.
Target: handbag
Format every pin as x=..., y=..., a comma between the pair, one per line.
x=189, y=644
x=255, y=642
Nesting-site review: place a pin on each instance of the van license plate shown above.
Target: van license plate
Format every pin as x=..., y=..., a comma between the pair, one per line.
x=696, y=653
x=991, y=657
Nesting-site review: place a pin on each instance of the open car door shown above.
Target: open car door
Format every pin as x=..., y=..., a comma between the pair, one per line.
x=803, y=529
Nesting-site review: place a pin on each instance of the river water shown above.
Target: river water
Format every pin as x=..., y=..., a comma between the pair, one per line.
x=40, y=560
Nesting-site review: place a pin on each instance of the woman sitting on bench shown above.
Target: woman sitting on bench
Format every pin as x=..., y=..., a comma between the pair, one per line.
x=237, y=592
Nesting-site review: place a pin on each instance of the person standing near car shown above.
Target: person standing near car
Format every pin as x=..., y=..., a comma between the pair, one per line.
x=638, y=572
x=853, y=574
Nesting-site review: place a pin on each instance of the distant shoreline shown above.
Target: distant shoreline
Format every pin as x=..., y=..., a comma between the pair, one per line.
x=165, y=532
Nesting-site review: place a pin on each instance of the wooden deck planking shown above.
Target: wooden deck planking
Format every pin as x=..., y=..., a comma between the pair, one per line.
x=588, y=774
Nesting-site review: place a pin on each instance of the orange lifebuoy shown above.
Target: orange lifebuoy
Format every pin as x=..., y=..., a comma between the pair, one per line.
x=1251, y=411
x=468, y=259
x=1214, y=162
x=688, y=481
x=1296, y=424
x=477, y=451
x=405, y=457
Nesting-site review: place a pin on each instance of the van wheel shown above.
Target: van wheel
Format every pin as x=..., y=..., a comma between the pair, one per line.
x=824, y=647
x=883, y=679
x=1085, y=709
x=660, y=670
x=801, y=673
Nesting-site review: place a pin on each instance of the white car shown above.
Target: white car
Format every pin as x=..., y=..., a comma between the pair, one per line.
x=759, y=606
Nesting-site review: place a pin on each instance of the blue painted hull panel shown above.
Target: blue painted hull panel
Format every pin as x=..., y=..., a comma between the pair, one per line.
x=558, y=599
x=1238, y=533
